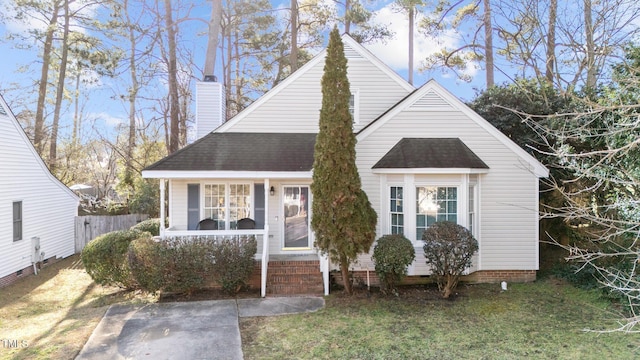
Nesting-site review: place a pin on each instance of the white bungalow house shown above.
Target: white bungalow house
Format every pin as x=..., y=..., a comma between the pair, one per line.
x=37, y=211
x=423, y=156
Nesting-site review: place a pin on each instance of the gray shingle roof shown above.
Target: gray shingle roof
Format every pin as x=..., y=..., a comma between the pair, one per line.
x=412, y=153
x=243, y=152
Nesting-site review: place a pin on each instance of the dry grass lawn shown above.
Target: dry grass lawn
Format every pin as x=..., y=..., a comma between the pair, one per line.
x=51, y=315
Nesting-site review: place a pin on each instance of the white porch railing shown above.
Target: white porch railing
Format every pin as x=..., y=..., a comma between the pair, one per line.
x=264, y=262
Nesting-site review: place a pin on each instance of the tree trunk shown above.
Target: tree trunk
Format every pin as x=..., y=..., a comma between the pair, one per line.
x=214, y=36
x=411, y=25
x=38, y=139
x=76, y=108
x=294, y=36
x=488, y=43
x=344, y=269
x=347, y=17
x=551, y=41
x=590, y=45
x=133, y=95
x=53, y=142
x=174, y=102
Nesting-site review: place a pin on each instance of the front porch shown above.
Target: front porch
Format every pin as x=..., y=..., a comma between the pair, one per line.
x=280, y=274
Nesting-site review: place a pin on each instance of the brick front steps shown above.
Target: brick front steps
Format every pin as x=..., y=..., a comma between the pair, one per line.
x=294, y=277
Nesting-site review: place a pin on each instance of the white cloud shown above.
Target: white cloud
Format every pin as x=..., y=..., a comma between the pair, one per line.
x=108, y=119
x=34, y=20
x=395, y=52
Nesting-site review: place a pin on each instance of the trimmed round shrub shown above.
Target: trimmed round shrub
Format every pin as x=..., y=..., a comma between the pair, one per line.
x=150, y=225
x=105, y=258
x=177, y=265
x=448, y=248
x=391, y=256
x=189, y=265
x=148, y=263
x=234, y=263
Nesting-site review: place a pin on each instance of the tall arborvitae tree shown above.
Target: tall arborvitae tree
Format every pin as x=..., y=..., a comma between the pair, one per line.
x=343, y=219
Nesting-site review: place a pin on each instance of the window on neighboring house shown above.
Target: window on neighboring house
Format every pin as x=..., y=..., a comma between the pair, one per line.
x=435, y=204
x=227, y=203
x=396, y=210
x=17, y=220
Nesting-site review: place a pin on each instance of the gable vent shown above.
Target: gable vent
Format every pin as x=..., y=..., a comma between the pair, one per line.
x=350, y=53
x=431, y=101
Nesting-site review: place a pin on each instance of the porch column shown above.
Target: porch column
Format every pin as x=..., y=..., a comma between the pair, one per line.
x=265, y=241
x=162, y=210
x=267, y=188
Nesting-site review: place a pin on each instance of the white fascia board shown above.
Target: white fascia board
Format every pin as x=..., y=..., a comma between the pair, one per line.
x=271, y=93
x=167, y=174
x=538, y=169
x=33, y=151
x=430, y=171
x=306, y=67
x=364, y=52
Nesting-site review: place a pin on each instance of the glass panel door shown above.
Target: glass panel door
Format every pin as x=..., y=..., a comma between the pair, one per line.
x=296, y=217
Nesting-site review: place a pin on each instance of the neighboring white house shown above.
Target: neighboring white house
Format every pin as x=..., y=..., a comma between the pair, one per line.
x=36, y=209
x=422, y=154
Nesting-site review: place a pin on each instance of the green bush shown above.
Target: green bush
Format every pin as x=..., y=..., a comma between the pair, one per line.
x=180, y=265
x=234, y=262
x=105, y=258
x=391, y=256
x=448, y=249
x=148, y=263
x=150, y=225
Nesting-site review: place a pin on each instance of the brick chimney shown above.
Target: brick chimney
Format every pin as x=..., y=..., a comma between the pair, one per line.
x=210, y=105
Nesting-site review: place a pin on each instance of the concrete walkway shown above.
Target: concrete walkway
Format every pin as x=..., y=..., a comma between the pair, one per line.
x=186, y=330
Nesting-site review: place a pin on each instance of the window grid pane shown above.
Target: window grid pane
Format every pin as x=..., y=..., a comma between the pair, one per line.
x=396, y=210
x=214, y=204
x=17, y=220
x=239, y=203
x=435, y=204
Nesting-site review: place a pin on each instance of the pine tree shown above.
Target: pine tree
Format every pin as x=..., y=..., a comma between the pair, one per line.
x=343, y=219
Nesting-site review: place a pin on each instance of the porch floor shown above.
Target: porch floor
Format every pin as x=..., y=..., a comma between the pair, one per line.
x=293, y=257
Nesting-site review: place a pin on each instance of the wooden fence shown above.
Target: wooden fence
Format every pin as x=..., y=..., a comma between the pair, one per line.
x=88, y=227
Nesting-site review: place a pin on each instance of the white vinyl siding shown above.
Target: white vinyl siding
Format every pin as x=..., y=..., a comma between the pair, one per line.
x=295, y=108
x=48, y=207
x=507, y=205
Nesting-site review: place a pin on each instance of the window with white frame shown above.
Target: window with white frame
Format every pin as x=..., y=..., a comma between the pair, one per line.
x=17, y=220
x=353, y=105
x=433, y=204
x=471, y=210
x=396, y=210
x=227, y=203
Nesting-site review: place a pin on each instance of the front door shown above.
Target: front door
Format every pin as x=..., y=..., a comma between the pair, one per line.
x=296, y=217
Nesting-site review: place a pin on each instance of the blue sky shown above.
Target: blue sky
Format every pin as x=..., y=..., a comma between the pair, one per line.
x=107, y=113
